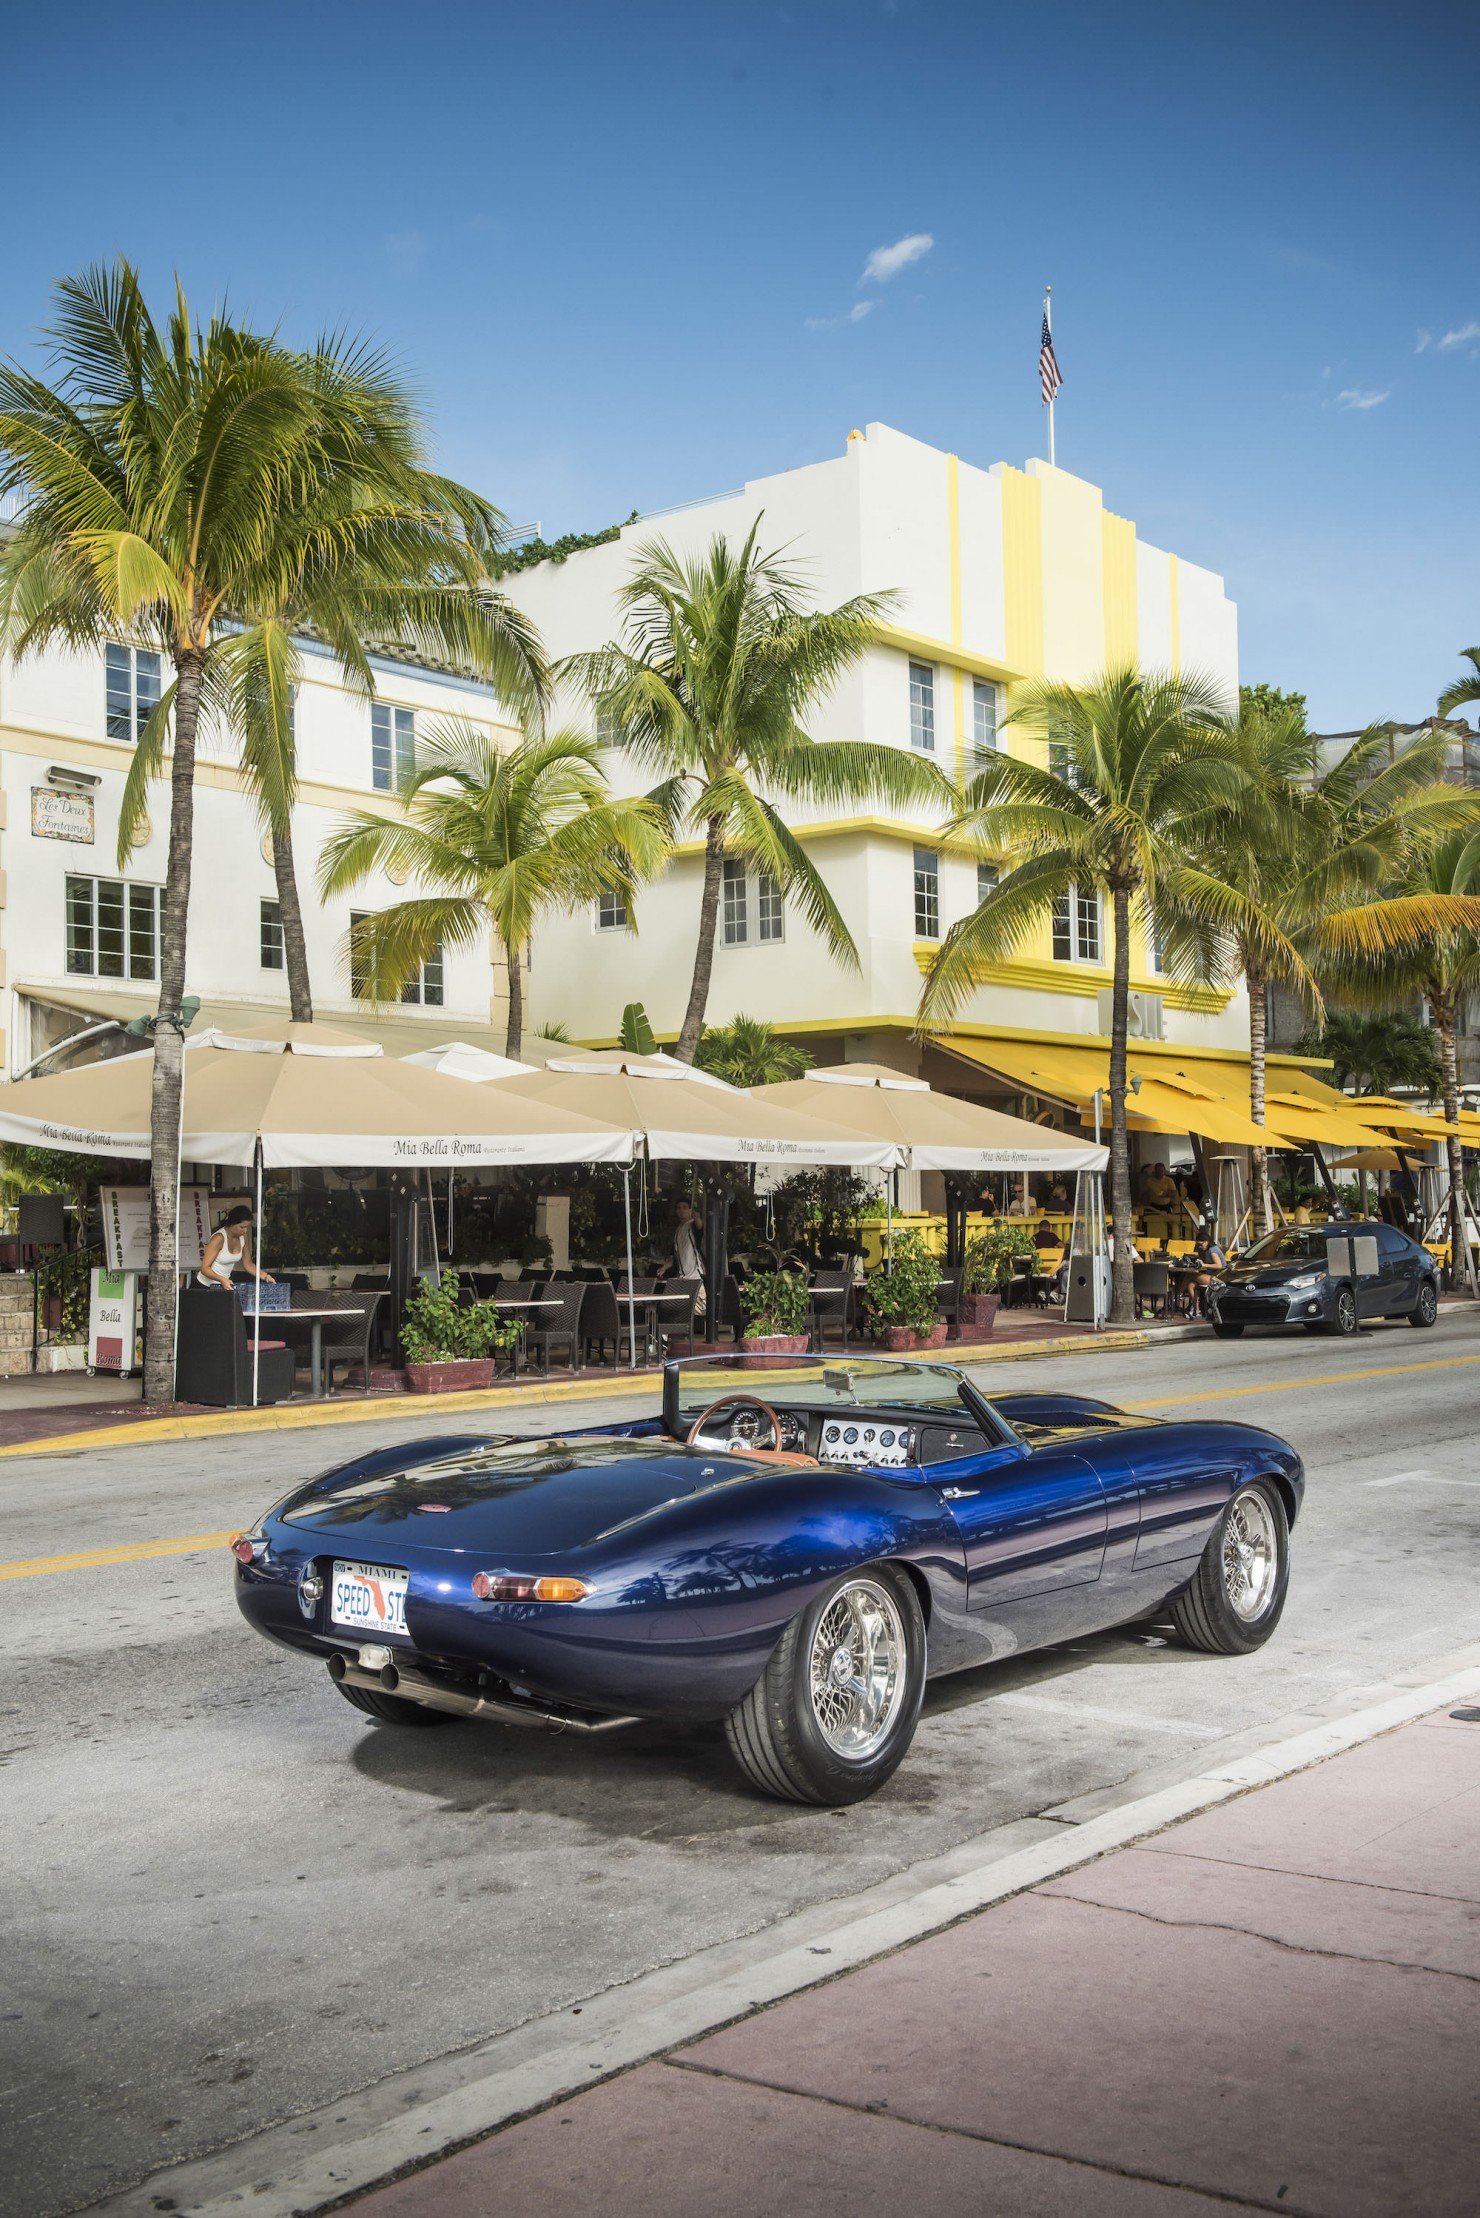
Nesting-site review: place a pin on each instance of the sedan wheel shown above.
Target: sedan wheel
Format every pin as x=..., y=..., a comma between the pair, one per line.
x=833, y=1713
x=1228, y=1331
x=1344, y=1316
x=1234, y=1603
x=1426, y=1308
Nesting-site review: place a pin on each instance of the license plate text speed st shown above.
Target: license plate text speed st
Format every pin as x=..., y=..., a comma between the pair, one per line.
x=369, y=1597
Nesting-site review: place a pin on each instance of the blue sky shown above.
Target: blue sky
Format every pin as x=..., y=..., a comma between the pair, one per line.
x=619, y=245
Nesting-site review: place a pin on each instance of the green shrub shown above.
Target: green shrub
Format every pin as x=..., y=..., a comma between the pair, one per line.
x=905, y=1291
x=775, y=1302
x=436, y=1328
x=989, y=1255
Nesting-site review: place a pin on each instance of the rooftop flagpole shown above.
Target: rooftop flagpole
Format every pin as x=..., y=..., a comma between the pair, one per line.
x=1049, y=376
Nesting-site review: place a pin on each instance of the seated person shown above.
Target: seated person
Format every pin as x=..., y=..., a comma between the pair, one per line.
x=1208, y=1258
x=986, y=1202
x=1058, y=1197
x=1044, y=1235
x=1159, y=1188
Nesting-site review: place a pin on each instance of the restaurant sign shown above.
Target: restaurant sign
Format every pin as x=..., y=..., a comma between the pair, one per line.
x=59, y=815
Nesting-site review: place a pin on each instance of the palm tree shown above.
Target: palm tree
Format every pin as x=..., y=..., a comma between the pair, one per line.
x=719, y=661
x=500, y=838
x=748, y=1052
x=1423, y=940
x=197, y=489
x=1304, y=842
x=1376, y=1053
x=1139, y=764
x=1464, y=689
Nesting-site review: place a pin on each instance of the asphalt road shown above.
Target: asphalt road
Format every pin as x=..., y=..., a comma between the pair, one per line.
x=228, y=1899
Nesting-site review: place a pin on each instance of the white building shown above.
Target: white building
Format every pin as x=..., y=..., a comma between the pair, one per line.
x=1003, y=575
x=79, y=936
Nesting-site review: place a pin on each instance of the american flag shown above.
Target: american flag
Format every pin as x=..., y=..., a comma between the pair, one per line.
x=1048, y=364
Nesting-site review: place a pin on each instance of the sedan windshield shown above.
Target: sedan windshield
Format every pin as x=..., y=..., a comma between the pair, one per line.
x=1295, y=1244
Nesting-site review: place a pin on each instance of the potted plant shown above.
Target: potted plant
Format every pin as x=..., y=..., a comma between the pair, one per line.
x=774, y=1305
x=902, y=1295
x=448, y=1346
x=988, y=1267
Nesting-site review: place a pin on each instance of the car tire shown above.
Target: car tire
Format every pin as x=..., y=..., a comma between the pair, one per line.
x=391, y=1709
x=1236, y=1599
x=1229, y=1331
x=1345, y=1320
x=808, y=1731
x=1425, y=1310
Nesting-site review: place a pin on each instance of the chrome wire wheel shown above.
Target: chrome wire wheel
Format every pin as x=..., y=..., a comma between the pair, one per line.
x=1251, y=1555
x=856, y=1671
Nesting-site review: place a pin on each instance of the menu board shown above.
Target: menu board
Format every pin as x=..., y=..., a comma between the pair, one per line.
x=126, y=1226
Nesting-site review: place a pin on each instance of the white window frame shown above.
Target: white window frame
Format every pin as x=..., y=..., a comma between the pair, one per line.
x=922, y=707
x=123, y=669
x=927, y=894
x=270, y=934
x=752, y=907
x=988, y=879
x=1078, y=928
x=428, y=989
x=392, y=745
x=986, y=729
x=133, y=899
x=611, y=910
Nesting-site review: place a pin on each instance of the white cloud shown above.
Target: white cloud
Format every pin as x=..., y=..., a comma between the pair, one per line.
x=1354, y=398
x=860, y=309
x=1425, y=341
x=887, y=261
x=856, y=314
x=1468, y=335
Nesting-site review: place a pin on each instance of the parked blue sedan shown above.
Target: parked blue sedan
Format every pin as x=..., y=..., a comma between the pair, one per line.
x=794, y=1546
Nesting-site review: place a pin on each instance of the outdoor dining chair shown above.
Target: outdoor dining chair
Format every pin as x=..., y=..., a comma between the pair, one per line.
x=350, y=1343
x=948, y=1301
x=1018, y=1292
x=604, y=1319
x=830, y=1304
x=1151, y=1282
x=559, y=1325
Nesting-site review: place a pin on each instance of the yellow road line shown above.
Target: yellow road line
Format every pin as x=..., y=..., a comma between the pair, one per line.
x=137, y=1552
x=1303, y=1379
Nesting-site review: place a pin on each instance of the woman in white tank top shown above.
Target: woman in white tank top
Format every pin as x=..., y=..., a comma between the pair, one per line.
x=230, y=1249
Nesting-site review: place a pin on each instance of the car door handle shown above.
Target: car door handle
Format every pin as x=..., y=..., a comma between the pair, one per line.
x=958, y=1493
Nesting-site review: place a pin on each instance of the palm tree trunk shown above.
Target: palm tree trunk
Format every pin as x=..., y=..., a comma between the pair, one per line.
x=165, y=1102
x=1258, y=1039
x=714, y=864
x=295, y=946
x=1442, y=1015
x=514, y=1036
x=1122, y=1276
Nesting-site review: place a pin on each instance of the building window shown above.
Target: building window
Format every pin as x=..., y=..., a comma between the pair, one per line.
x=988, y=877
x=270, y=936
x=425, y=988
x=392, y=746
x=984, y=716
x=751, y=910
x=133, y=690
x=922, y=707
x=1155, y=950
x=611, y=910
x=113, y=928
x=1076, y=927
x=927, y=894
x=608, y=726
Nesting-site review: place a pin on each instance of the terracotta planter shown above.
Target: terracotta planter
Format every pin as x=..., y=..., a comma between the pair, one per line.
x=775, y=1343
x=980, y=1310
x=450, y=1378
x=904, y=1340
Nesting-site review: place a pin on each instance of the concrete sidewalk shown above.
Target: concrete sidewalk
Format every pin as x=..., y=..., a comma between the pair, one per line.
x=1274, y=2006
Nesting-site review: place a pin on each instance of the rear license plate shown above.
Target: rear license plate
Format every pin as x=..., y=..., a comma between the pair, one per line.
x=369, y=1597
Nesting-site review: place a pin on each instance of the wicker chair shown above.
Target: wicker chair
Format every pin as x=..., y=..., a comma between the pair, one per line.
x=562, y=1325
x=831, y=1303
x=948, y=1301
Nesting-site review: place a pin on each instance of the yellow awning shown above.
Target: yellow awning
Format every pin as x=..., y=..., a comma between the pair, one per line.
x=1168, y=1100
x=1311, y=1120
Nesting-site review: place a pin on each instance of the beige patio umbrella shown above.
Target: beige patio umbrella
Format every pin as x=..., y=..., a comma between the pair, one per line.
x=304, y=1095
x=683, y=1115
x=935, y=1131
x=456, y=1059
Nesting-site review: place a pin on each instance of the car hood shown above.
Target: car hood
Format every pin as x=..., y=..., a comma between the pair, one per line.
x=1268, y=1274
x=505, y=1497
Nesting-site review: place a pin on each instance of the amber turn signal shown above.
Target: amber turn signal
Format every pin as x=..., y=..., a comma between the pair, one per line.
x=506, y=1586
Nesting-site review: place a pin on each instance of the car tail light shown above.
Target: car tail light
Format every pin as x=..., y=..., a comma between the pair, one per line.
x=247, y=1547
x=505, y=1586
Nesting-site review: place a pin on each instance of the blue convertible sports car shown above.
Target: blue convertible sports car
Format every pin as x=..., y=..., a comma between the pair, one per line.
x=794, y=1546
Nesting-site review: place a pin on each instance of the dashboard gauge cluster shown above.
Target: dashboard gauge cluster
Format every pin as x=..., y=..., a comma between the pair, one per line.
x=855, y=1440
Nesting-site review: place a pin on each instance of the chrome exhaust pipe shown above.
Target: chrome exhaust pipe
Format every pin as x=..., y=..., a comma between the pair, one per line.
x=414, y=1686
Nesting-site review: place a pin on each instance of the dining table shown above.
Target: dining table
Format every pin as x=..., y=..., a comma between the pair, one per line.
x=315, y=1319
x=532, y=1301
x=649, y=1304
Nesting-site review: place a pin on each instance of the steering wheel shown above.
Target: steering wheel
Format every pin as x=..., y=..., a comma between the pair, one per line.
x=740, y=1401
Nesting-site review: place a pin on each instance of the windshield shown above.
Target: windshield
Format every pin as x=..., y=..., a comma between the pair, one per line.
x=810, y=1382
x=1295, y=1244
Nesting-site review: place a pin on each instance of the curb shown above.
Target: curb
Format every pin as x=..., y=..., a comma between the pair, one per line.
x=299, y=2168
x=285, y=1417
